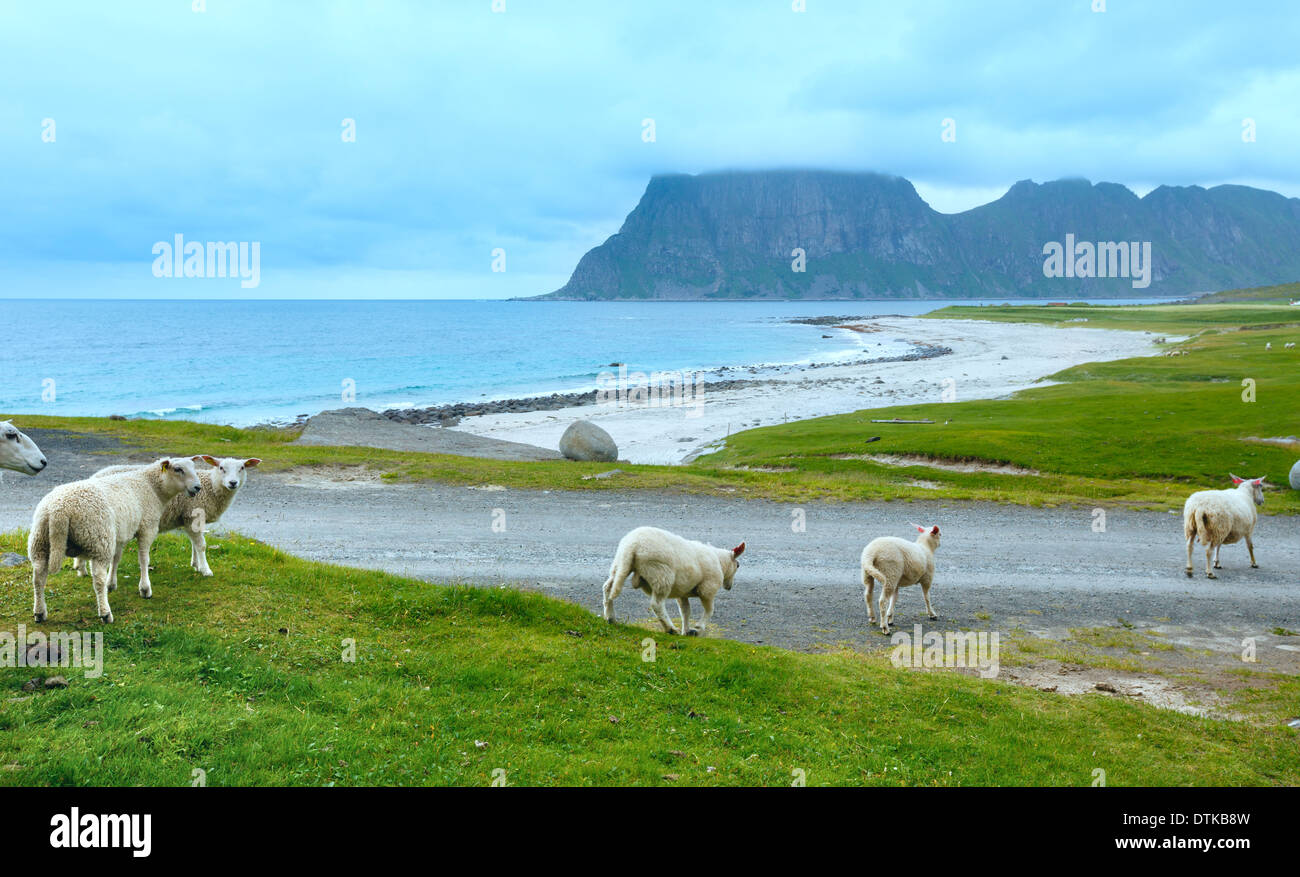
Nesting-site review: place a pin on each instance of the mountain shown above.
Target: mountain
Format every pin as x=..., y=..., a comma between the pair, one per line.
x=734, y=236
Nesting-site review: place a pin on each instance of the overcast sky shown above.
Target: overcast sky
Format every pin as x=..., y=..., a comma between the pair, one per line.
x=522, y=129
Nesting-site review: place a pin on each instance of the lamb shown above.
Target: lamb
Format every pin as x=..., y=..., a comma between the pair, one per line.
x=1221, y=517
x=96, y=517
x=18, y=452
x=193, y=514
x=665, y=565
x=897, y=563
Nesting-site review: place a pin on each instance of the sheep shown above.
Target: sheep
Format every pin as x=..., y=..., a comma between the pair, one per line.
x=1268, y=345
x=1221, y=517
x=665, y=565
x=1290, y=345
x=897, y=563
x=193, y=514
x=96, y=517
x=18, y=452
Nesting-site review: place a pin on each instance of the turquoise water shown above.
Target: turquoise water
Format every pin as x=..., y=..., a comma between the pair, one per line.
x=246, y=362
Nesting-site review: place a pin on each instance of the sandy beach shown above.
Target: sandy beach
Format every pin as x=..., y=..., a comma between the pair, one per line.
x=988, y=361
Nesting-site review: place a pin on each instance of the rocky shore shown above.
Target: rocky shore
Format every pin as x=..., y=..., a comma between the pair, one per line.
x=450, y=415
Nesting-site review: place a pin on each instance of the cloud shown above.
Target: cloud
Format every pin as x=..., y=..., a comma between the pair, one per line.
x=522, y=130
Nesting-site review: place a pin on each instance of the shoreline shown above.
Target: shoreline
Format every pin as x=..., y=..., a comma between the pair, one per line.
x=983, y=360
x=452, y=414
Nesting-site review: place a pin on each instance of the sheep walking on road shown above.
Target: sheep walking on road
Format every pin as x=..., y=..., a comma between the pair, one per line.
x=1222, y=517
x=192, y=514
x=896, y=563
x=665, y=565
x=18, y=452
x=95, y=518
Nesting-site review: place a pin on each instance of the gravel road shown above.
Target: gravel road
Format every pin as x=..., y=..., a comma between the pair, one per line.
x=999, y=567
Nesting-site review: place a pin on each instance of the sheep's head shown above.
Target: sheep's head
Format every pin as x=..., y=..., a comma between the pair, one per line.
x=1256, y=487
x=182, y=474
x=18, y=452
x=731, y=563
x=230, y=474
x=928, y=534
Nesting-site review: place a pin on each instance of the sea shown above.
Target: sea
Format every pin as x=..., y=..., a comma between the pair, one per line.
x=252, y=362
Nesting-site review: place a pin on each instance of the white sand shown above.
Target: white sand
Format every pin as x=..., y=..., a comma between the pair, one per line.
x=976, y=367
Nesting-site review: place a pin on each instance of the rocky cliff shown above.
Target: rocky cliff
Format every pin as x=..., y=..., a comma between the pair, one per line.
x=735, y=236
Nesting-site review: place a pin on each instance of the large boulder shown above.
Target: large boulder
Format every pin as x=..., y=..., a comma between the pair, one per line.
x=586, y=442
x=1295, y=476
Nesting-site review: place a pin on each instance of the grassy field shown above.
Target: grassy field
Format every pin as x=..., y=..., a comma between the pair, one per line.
x=1139, y=432
x=243, y=677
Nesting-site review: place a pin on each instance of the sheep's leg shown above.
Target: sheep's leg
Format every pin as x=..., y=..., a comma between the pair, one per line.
x=888, y=618
x=1191, y=540
x=100, y=578
x=684, y=604
x=144, y=541
x=613, y=587
x=112, y=579
x=880, y=606
x=40, y=571
x=657, y=604
x=1250, y=546
x=1217, y=552
x=925, y=592
x=869, y=583
x=79, y=566
x=1209, y=551
x=199, y=552
x=706, y=604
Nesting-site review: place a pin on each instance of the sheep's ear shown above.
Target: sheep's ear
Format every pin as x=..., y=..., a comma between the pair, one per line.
x=166, y=464
x=211, y=461
x=935, y=529
x=738, y=550
x=919, y=528
x=1235, y=479
x=251, y=464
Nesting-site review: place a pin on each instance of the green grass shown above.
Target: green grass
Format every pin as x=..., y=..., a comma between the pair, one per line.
x=202, y=677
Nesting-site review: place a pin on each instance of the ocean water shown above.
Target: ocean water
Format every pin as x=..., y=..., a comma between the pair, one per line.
x=247, y=362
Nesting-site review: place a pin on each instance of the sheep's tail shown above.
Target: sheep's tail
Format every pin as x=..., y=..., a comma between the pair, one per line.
x=1197, y=524
x=618, y=571
x=51, y=529
x=869, y=570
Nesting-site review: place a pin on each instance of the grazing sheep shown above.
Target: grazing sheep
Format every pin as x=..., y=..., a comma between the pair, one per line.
x=1268, y=345
x=95, y=518
x=897, y=563
x=1290, y=345
x=193, y=513
x=18, y=452
x=666, y=565
x=1221, y=517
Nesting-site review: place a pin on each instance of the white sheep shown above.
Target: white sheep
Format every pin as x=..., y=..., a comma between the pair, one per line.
x=1290, y=345
x=1221, y=517
x=96, y=517
x=18, y=452
x=665, y=565
x=897, y=563
x=193, y=513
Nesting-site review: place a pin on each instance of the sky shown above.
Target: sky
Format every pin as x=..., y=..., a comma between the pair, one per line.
x=512, y=134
